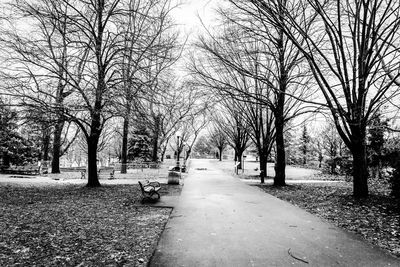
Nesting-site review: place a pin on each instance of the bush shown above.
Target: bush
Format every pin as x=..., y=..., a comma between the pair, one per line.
x=339, y=165
x=394, y=180
x=391, y=158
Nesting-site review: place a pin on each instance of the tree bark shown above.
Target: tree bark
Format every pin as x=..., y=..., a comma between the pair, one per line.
x=93, y=179
x=263, y=167
x=55, y=163
x=360, y=166
x=163, y=153
x=280, y=164
x=154, y=156
x=333, y=166
x=124, y=150
x=239, y=155
x=220, y=153
x=46, y=145
x=188, y=153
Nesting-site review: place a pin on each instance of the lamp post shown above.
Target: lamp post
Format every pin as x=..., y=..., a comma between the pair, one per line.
x=184, y=157
x=174, y=173
x=178, y=135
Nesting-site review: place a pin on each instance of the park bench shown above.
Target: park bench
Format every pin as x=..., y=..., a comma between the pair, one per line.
x=82, y=170
x=149, y=190
x=26, y=169
x=105, y=172
x=144, y=165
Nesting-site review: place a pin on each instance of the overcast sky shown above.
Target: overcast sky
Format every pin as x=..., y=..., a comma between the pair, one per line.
x=187, y=15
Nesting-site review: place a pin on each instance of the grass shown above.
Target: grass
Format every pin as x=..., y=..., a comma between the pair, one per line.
x=71, y=225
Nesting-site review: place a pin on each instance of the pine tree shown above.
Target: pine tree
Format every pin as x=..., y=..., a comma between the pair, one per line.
x=376, y=138
x=305, y=143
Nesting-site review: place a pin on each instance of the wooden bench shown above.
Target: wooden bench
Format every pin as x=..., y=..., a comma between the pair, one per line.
x=139, y=165
x=82, y=170
x=149, y=190
x=27, y=169
x=105, y=172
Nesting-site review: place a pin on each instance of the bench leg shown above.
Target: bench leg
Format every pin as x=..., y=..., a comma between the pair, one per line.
x=155, y=193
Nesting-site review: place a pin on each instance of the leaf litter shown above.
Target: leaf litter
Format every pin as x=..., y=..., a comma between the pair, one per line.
x=77, y=226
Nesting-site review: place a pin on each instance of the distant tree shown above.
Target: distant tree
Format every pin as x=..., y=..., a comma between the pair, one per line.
x=270, y=72
x=319, y=152
x=305, y=144
x=202, y=146
x=376, y=138
x=14, y=147
x=149, y=42
x=333, y=146
x=218, y=138
x=229, y=119
x=139, y=145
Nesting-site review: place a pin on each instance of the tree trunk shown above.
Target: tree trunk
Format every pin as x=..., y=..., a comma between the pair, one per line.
x=263, y=167
x=46, y=145
x=188, y=153
x=164, y=149
x=55, y=163
x=92, y=143
x=6, y=159
x=280, y=164
x=279, y=115
x=239, y=156
x=93, y=179
x=154, y=156
x=178, y=156
x=220, y=153
x=333, y=166
x=124, y=152
x=360, y=167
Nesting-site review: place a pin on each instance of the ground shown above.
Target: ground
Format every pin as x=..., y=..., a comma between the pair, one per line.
x=55, y=220
x=377, y=219
x=51, y=222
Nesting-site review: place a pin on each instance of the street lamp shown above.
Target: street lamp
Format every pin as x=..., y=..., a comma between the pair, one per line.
x=184, y=157
x=178, y=135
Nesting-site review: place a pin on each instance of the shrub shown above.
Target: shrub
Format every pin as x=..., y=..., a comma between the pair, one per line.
x=394, y=179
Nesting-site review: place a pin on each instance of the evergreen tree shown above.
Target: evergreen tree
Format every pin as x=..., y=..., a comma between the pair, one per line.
x=376, y=144
x=305, y=143
x=14, y=148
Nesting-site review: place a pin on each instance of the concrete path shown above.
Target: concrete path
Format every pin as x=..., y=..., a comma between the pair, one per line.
x=220, y=221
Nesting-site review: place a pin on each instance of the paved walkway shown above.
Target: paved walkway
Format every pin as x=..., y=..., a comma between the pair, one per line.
x=220, y=221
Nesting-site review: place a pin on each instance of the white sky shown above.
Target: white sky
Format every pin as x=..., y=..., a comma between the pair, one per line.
x=188, y=13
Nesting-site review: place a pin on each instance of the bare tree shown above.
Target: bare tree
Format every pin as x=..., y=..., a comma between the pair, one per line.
x=260, y=51
x=46, y=50
x=241, y=57
x=226, y=82
x=218, y=138
x=147, y=46
x=347, y=49
x=229, y=119
x=91, y=72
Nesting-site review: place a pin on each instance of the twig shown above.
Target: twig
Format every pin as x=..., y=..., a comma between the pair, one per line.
x=294, y=257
